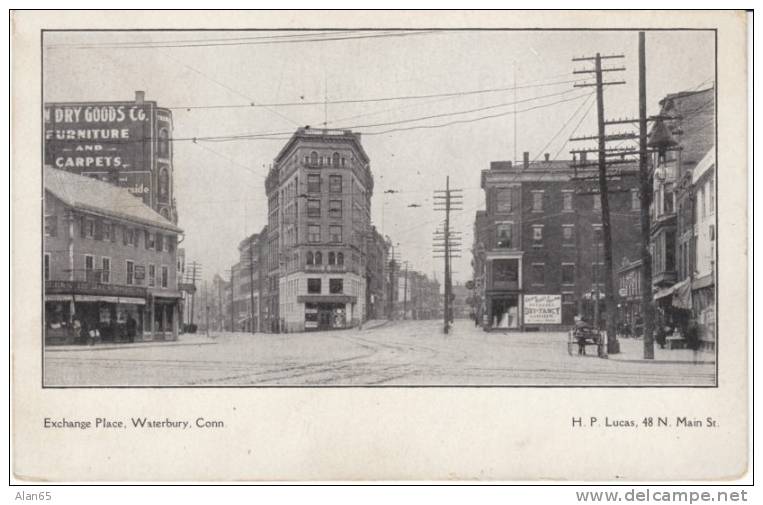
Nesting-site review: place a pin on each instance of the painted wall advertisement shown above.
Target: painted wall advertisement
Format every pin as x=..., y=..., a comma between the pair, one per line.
x=542, y=309
x=110, y=141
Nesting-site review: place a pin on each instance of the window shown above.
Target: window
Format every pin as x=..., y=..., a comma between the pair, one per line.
x=107, y=231
x=130, y=272
x=635, y=201
x=336, y=286
x=538, y=236
x=340, y=258
x=310, y=259
x=313, y=158
x=568, y=273
x=89, y=267
x=503, y=200
x=46, y=266
x=711, y=196
x=105, y=270
x=568, y=298
x=150, y=239
x=89, y=228
x=538, y=274
x=537, y=201
x=313, y=183
x=597, y=273
x=163, y=144
x=335, y=233
x=335, y=208
x=51, y=226
x=567, y=200
x=313, y=233
x=332, y=258
x=568, y=234
x=152, y=275
x=313, y=208
x=314, y=286
x=159, y=242
x=170, y=243
x=505, y=235
x=319, y=258
x=701, y=202
x=165, y=276
x=164, y=185
x=335, y=160
x=335, y=184
x=596, y=202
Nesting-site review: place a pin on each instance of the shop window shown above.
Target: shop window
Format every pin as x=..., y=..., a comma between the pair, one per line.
x=568, y=273
x=313, y=208
x=505, y=235
x=51, y=226
x=105, y=270
x=335, y=184
x=336, y=286
x=313, y=233
x=335, y=233
x=152, y=275
x=165, y=276
x=314, y=286
x=130, y=277
x=313, y=183
x=319, y=258
x=335, y=208
x=567, y=201
x=309, y=258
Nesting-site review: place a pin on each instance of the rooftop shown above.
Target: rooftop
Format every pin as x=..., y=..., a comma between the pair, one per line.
x=100, y=197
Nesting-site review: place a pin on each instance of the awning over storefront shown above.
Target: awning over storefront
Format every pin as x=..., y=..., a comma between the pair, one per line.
x=703, y=282
x=681, y=293
x=326, y=299
x=95, y=298
x=167, y=295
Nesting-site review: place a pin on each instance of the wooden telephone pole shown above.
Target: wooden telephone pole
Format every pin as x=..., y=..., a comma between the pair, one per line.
x=447, y=242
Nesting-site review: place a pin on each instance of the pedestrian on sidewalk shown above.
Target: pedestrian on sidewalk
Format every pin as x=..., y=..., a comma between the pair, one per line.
x=132, y=326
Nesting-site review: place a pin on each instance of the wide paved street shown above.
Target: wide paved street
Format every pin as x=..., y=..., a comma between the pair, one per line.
x=398, y=353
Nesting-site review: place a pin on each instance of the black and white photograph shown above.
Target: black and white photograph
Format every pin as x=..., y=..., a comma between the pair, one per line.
x=388, y=207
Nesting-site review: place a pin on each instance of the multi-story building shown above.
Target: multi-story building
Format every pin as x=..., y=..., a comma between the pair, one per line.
x=248, y=277
x=538, y=253
x=108, y=261
x=125, y=143
x=629, y=290
x=702, y=276
x=676, y=199
x=319, y=204
x=376, y=279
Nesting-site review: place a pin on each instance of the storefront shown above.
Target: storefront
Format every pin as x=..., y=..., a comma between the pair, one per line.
x=165, y=310
x=324, y=312
x=503, y=294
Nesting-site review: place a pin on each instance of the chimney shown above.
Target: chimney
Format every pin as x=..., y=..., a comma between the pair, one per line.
x=547, y=156
x=526, y=160
x=140, y=96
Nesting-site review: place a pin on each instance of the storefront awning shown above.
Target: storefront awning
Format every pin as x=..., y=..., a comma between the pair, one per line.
x=95, y=298
x=169, y=295
x=681, y=293
x=326, y=299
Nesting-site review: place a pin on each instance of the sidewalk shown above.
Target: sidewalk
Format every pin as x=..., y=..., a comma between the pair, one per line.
x=632, y=350
x=184, y=339
x=375, y=323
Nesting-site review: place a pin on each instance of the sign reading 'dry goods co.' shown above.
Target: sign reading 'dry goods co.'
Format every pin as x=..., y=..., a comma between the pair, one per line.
x=109, y=140
x=542, y=309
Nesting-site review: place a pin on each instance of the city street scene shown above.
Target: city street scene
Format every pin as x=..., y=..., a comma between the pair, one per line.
x=379, y=208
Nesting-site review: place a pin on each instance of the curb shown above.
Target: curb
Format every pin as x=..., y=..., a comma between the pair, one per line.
x=85, y=348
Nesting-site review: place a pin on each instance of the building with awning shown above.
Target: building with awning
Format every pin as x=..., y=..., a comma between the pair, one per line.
x=109, y=262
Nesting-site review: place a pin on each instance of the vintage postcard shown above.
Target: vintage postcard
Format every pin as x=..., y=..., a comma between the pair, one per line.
x=379, y=245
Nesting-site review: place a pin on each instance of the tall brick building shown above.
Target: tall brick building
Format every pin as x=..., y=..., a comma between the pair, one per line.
x=319, y=203
x=537, y=254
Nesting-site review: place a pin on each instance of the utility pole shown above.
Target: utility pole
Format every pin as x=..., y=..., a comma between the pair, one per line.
x=251, y=286
x=612, y=346
x=447, y=201
x=195, y=272
x=405, y=293
x=645, y=196
x=206, y=308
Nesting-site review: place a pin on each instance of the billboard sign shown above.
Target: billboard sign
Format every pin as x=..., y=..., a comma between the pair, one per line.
x=111, y=141
x=542, y=309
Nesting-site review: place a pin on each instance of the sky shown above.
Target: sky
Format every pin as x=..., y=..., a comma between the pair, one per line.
x=413, y=143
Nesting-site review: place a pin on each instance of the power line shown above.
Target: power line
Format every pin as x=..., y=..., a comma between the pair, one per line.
x=249, y=43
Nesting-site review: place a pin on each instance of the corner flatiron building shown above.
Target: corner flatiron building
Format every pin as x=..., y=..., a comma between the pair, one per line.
x=319, y=211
